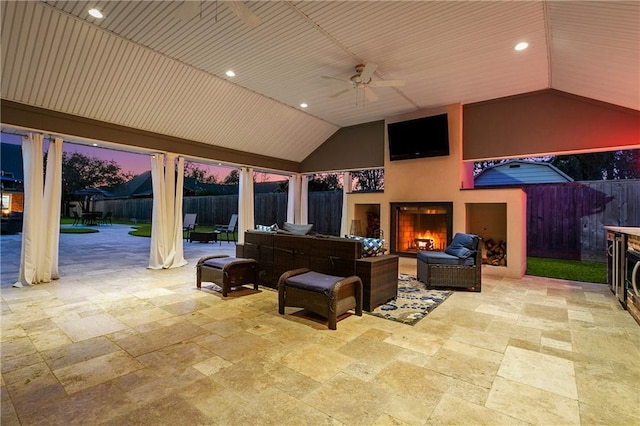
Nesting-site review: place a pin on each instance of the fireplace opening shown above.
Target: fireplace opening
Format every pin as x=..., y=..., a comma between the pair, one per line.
x=420, y=226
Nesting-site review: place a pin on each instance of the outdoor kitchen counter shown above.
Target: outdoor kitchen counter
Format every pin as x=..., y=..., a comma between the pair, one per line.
x=624, y=230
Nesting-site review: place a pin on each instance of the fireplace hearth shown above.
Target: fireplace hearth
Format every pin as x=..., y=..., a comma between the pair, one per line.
x=420, y=226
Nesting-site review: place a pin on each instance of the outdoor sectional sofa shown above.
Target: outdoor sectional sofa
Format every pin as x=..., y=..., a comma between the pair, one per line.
x=277, y=253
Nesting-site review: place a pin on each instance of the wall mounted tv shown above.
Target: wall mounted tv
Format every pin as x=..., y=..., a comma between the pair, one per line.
x=422, y=137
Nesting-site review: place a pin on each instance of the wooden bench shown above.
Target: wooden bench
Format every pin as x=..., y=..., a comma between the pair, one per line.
x=326, y=295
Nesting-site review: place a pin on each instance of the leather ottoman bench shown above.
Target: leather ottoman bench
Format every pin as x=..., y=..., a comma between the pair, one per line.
x=326, y=295
x=227, y=272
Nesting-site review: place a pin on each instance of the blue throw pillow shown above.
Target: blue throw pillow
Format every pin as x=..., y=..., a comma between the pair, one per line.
x=372, y=247
x=463, y=245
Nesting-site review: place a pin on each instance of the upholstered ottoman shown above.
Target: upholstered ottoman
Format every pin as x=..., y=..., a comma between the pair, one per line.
x=326, y=295
x=227, y=272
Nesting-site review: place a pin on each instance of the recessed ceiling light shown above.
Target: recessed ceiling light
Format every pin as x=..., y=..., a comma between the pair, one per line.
x=96, y=13
x=94, y=144
x=303, y=105
x=230, y=73
x=521, y=46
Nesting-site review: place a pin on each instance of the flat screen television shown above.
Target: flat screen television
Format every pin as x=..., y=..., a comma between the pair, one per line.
x=422, y=137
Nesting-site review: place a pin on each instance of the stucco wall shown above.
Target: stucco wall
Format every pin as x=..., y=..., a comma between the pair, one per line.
x=441, y=179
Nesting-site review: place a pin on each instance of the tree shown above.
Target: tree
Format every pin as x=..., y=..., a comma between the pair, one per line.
x=80, y=171
x=193, y=170
x=325, y=182
x=369, y=180
x=233, y=178
x=600, y=165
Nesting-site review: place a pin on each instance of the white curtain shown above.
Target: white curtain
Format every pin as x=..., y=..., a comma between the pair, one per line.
x=41, y=216
x=346, y=187
x=293, y=199
x=245, y=203
x=304, y=200
x=166, y=250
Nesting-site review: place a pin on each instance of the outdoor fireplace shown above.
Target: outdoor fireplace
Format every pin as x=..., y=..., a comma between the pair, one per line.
x=420, y=226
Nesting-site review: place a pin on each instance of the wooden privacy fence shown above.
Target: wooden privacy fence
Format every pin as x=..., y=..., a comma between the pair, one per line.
x=566, y=220
x=325, y=209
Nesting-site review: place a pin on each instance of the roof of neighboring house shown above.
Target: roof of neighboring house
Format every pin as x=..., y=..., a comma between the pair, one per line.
x=520, y=172
x=11, y=160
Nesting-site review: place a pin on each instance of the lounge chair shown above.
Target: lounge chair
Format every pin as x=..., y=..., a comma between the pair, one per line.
x=228, y=229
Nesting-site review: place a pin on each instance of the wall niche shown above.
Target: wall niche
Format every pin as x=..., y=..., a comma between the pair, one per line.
x=489, y=221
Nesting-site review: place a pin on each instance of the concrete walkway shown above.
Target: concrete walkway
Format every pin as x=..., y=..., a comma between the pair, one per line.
x=104, y=252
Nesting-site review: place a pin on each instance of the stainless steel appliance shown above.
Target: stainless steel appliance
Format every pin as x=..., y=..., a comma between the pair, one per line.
x=632, y=277
x=618, y=259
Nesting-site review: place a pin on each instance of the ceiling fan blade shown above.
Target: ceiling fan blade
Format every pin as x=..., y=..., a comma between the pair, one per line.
x=386, y=83
x=370, y=94
x=243, y=12
x=328, y=77
x=187, y=10
x=342, y=92
x=368, y=71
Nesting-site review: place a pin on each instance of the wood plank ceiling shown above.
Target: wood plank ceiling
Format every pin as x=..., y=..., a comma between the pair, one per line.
x=142, y=67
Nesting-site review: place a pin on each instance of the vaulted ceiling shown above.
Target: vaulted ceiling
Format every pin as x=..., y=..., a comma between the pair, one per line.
x=144, y=67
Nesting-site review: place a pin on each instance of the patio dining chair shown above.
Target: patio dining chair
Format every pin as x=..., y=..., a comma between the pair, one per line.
x=189, y=224
x=107, y=218
x=228, y=229
x=77, y=220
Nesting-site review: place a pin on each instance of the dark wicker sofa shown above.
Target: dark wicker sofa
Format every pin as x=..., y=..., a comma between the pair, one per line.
x=277, y=253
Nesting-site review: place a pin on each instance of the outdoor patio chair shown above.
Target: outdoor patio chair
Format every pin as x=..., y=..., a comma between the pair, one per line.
x=458, y=266
x=228, y=229
x=107, y=218
x=77, y=220
x=189, y=223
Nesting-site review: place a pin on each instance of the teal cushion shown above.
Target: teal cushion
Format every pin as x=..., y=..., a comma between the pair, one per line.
x=463, y=245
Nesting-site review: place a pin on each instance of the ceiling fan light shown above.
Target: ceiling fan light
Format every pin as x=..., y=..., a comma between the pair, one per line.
x=521, y=46
x=230, y=73
x=95, y=13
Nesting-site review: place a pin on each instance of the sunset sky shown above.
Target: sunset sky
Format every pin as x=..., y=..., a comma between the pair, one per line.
x=128, y=161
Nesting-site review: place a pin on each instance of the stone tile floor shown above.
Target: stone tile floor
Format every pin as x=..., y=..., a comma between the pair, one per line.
x=112, y=342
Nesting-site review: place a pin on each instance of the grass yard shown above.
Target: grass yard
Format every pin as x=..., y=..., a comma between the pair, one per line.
x=82, y=230
x=573, y=270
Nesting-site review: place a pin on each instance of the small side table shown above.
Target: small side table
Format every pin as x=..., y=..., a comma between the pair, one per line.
x=204, y=237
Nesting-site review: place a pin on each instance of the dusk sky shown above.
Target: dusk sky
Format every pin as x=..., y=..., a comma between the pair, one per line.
x=128, y=161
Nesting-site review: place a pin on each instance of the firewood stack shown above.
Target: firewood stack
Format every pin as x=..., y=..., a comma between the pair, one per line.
x=494, y=253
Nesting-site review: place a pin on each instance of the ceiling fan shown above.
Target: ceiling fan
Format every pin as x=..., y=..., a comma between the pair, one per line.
x=362, y=80
x=190, y=9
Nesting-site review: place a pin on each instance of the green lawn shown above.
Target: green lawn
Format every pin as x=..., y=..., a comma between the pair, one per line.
x=144, y=230
x=573, y=270
x=82, y=230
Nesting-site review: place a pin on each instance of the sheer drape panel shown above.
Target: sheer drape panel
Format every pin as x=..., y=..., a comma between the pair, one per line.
x=177, y=214
x=304, y=200
x=166, y=249
x=158, y=216
x=344, y=223
x=51, y=210
x=245, y=203
x=293, y=199
x=41, y=215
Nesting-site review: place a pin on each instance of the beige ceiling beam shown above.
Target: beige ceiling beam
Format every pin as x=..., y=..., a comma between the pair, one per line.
x=44, y=120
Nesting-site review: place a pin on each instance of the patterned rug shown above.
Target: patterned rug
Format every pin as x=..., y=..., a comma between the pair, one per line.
x=414, y=301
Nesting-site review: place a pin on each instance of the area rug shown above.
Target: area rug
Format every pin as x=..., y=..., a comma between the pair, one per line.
x=413, y=303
